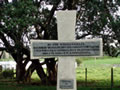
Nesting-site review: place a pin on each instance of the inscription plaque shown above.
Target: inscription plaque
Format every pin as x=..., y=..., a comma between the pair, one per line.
x=89, y=48
x=66, y=84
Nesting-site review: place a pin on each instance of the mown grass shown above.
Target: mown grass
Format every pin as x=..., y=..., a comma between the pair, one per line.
x=98, y=75
x=99, y=71
x=96, y=62
x=26, y=87
x=102, y=61
x=35, y=77
x=29, y=87
x=13, y=86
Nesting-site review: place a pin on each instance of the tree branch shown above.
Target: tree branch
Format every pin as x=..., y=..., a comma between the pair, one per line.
x=52, y=13
x=5, y=41
x=1, y=54
x=84, y=35
x=2, y=48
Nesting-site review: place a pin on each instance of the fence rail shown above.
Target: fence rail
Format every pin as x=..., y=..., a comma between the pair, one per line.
x=111, y=77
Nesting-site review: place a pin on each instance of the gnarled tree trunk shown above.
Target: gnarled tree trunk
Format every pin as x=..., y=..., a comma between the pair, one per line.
x=20, y=71
x=40, y=71
x=52, y=70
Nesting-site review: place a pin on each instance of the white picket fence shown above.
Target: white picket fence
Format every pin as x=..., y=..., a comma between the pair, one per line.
x=8, y=65
x=12, y=65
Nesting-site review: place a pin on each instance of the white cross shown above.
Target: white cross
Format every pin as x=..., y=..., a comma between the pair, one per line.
x=66, y=65
x=66, y=48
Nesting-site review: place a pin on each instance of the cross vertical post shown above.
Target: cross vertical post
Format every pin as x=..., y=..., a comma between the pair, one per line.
x=66, y=79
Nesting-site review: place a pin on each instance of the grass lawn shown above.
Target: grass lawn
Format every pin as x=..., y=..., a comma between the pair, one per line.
x=13, y=86
x=103, y=62
x=98, y=75
x=99, y=71
x=89, y=62
x=29, y=87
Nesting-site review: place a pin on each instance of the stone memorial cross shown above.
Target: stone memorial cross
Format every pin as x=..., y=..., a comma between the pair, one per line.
x=66, y=78
x=66, y=48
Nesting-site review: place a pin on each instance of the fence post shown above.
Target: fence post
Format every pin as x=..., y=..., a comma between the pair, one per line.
x=112, y=77
x=85, y=76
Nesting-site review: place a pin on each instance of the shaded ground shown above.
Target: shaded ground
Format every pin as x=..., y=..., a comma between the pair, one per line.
x=11, y=84
x=34, y=87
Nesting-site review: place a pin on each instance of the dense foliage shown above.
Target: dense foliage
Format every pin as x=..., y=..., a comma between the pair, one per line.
x=100, y=18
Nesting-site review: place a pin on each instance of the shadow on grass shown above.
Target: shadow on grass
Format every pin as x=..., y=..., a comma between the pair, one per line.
x=48, y=88
x=12, y=85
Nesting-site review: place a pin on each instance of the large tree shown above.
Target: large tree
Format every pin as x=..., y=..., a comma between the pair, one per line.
x=20, y=21
x=100, y=18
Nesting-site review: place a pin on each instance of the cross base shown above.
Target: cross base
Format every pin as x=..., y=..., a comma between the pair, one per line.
x=66, y=74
